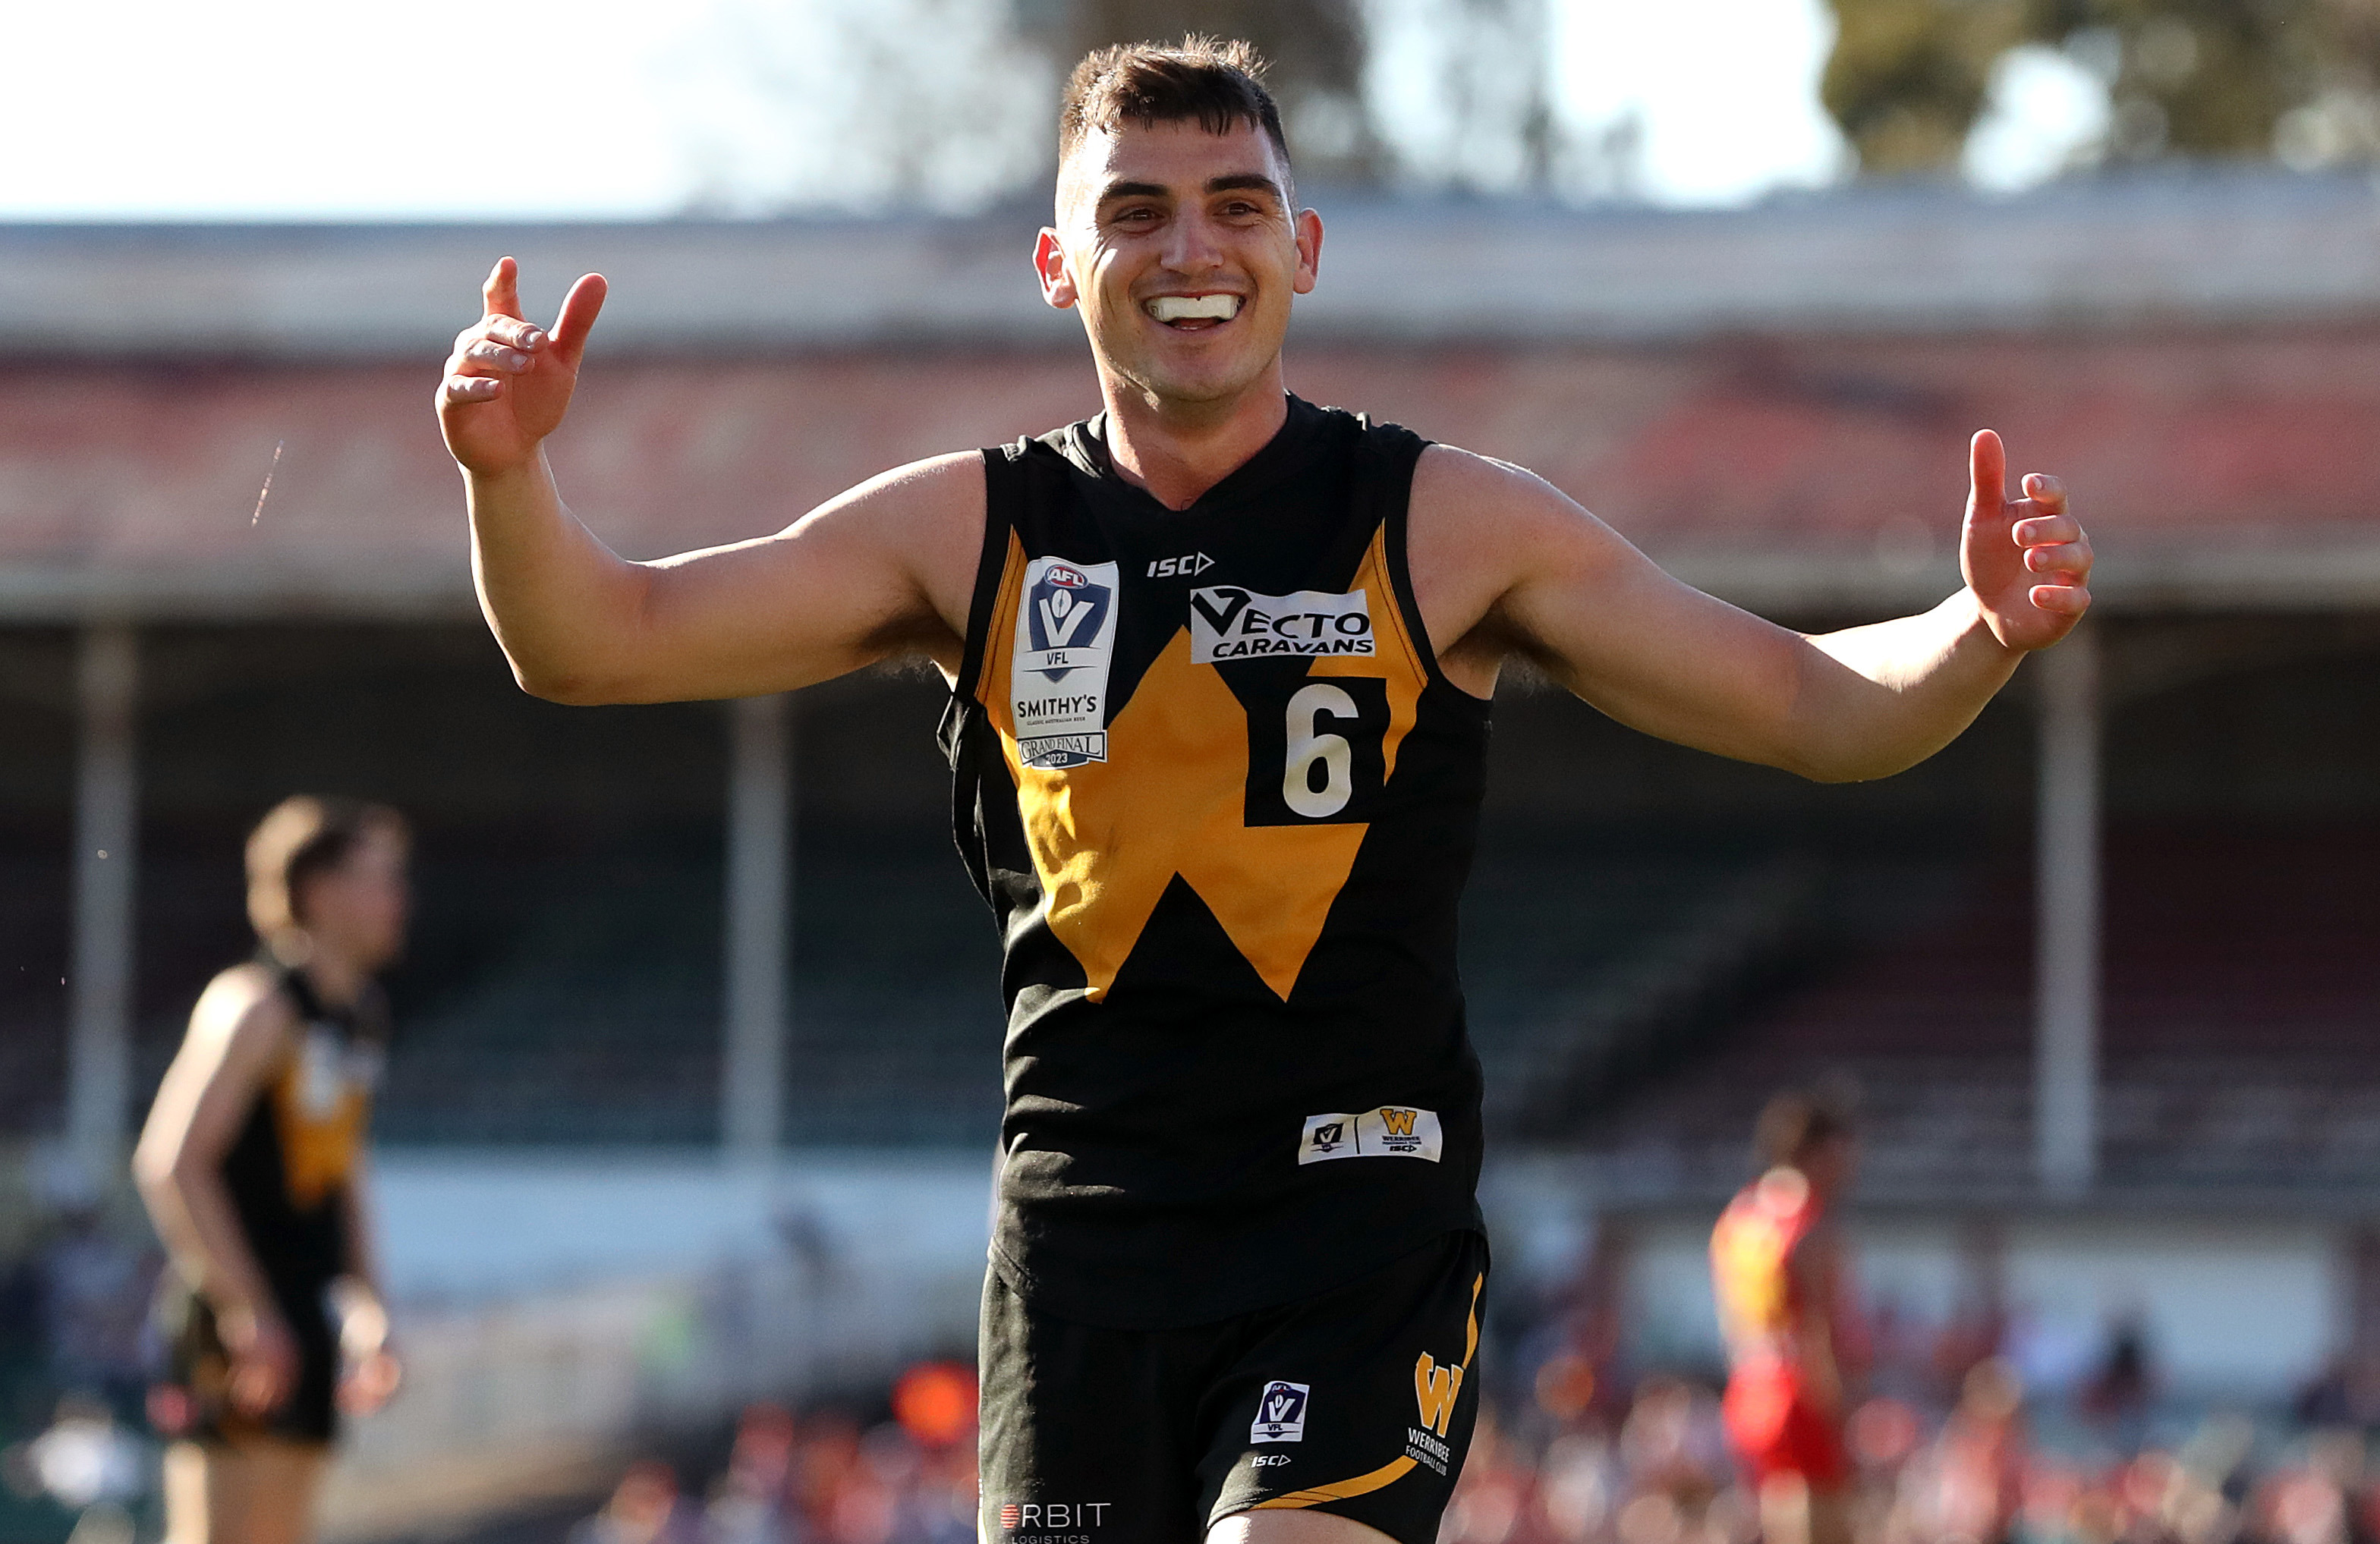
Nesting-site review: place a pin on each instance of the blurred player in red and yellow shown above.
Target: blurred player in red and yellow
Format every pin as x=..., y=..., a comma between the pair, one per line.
x=1794, y=1336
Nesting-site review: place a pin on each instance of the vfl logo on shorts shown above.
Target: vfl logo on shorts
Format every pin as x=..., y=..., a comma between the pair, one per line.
x=1390, y=1131
x=1280, y=1413
x=1058, y=674
x=1228, y=622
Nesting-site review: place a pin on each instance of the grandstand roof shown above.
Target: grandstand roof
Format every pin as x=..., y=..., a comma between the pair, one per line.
x=1773, y=401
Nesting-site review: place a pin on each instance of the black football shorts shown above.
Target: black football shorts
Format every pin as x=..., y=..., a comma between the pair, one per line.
x=192, y=1402
x=1351, y=1402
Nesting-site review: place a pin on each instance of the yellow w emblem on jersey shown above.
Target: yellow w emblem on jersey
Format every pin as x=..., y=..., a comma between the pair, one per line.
x=1399, y=1122
x=1436, y=1388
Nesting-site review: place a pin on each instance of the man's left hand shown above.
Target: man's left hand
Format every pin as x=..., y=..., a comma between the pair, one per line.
x=2026, y=561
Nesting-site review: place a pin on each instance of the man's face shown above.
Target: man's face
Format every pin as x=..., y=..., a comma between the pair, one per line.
x=1832, y=1164
x=360, y=908
x=1183, y=249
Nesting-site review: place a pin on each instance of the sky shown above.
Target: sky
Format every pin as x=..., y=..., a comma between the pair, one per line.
x=472, y=109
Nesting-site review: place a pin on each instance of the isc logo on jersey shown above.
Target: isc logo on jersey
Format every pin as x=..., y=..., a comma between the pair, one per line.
x=1228, y=622
x=1057, y=677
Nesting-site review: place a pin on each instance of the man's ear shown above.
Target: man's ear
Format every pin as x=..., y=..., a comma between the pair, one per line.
x=1309, y=250
x=1049, y=262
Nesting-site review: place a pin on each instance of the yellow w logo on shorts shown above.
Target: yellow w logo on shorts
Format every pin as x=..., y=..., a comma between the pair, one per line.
x=1399, y=1122
x=1435, y=1388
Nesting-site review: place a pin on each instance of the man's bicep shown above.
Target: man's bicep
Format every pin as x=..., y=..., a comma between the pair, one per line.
x=238, y=1034
x=884, y=570
x=1647, y=648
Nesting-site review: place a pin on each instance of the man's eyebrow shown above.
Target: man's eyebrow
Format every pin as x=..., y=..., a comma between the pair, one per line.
x=1228, y=181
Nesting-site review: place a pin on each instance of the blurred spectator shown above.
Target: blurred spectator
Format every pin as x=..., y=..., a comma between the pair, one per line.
x=1979, y=1468
x=95, y=1290
x=89, y=1465
x=1546, y=1467
x=2118, y=1394
x=750, y=1504
x=1498, y=1486
x=935, y=1402
x=1575, y=1484
x=645, y=1508
x=2346, y=1392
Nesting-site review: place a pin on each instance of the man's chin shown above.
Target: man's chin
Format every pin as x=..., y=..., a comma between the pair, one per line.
x=1209, y=388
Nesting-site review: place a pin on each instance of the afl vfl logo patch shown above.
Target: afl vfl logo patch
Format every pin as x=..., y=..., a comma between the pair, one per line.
x=1390, y=1131
x=1280, y=1413
x=1057, y=677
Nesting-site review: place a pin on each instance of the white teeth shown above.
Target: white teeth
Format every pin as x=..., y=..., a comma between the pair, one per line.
x=1194, y=308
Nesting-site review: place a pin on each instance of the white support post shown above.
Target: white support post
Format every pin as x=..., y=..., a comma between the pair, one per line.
x=99, y=992
x=760, y=927
x=2066, y=1045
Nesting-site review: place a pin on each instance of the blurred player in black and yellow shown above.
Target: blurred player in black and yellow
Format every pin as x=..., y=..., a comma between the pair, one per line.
x=252, y=1165
x=1220, y=664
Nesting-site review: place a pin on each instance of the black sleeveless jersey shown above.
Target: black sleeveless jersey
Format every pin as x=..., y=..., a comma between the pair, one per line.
x=1209, y=775
x=289, y=1168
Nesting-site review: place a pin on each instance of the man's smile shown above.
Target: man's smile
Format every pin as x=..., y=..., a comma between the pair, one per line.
x=1193, y=313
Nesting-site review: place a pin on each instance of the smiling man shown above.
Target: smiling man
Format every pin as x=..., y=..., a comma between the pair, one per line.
x=1221, y=663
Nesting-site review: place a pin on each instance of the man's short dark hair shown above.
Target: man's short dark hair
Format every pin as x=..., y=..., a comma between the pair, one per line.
x=304, y=837
x=1795, y=1123
x=1218, y=82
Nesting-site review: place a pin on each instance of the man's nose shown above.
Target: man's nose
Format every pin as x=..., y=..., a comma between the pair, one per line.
x=1191, y=246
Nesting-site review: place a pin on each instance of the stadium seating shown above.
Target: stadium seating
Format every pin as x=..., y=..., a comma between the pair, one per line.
x=2241, y=990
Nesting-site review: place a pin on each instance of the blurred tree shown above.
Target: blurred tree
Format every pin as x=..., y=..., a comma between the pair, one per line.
x=2300, y=79
x=1316, y=47
x=949, y=104
x=2230, y=77
x=1908, y=77
x=1475, y=71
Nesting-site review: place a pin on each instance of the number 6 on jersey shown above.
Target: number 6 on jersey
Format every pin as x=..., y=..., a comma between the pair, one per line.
x=1314, y=749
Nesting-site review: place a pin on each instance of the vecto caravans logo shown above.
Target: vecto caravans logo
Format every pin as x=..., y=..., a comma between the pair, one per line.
x=1058, y=679
x=1228, y=622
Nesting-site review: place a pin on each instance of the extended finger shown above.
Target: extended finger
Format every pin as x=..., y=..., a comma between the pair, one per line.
x=2045, y=488
x=502, y=291
x=2073, y=556
x=579, y=309
x=515, y=332
x=1988, y=473
x=473, y=388
x=2037, y=530
x=2066, y=600
x=490, y=355
x=510, y=330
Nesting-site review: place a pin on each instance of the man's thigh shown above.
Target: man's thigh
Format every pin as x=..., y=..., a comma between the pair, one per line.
x=1292, y=1527
x=257, y=1491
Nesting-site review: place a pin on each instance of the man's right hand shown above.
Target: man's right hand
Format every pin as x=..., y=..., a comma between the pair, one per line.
x=263, y=1359
x=508, y=383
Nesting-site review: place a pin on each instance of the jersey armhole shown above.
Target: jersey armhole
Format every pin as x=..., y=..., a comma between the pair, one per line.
x=1002, y=490
x=1396, y=494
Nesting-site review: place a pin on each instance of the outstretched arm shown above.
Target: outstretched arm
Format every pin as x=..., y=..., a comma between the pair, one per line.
x=884, y=570
x=1657, y=654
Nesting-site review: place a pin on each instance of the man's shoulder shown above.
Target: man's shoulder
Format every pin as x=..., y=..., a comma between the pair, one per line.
x=1450, y=473
x=1467, y=509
